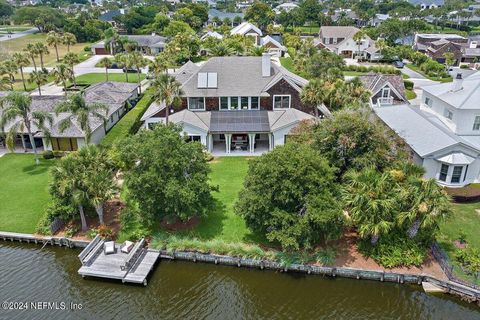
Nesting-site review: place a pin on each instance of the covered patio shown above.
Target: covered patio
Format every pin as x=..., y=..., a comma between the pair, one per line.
x=239, y=133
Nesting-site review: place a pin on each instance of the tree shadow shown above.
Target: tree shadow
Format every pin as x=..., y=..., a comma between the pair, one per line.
x=211, y=225
x=34, y=169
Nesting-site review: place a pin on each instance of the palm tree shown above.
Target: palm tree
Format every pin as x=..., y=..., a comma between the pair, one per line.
x=102, y=186
x=358, y=37
x=62, y=74
x=314, y=94
x=125, y=61
x=78, y=109
x=69, y=39
x=71, y=59
x=111, y=39
x=139, y=62
x=70, y=177
x=105, y=63
x=9, y=68
x=17, y=107
x=54, y=39
x=221, y=49
x=257, y=51
x=41, y=50
x=381, y=44
x=168, y=90
x=21, y=61
x=32, y=52
x=370, y=201
x=39, y=77
x=159, y=64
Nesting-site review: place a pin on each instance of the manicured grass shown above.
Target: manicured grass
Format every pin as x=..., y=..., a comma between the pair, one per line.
x=15, y=45
x=23, y=192
x=410, y=94
x=287, y=63
x=129, y=123
x=18, y=85
x=464, y=219
x=417, y=69
x=91, y=78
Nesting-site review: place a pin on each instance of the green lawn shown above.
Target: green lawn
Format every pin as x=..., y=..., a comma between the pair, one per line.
x=410, y=94
x=91, y=78
x=465, y=219
x=417, y=69
x=23, y=192
x=353, y=73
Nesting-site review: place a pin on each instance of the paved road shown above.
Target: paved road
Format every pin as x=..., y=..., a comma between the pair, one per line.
x=18, y=34
x=412, y=74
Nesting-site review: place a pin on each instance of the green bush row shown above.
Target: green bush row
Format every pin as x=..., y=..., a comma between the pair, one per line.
x=376, y=69
x=129, y=123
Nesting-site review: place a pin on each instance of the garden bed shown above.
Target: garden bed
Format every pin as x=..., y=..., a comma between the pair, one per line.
x=470, y=193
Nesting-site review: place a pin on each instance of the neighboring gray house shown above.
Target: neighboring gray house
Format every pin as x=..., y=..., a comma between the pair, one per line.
x=236, y=104
x=109, y=16
x=117, y=96
x=214, y=14
x=386, y=89
x=147, y=44
x=444, y=131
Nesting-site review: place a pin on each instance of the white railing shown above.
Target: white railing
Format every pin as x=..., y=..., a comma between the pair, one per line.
x=384, y=101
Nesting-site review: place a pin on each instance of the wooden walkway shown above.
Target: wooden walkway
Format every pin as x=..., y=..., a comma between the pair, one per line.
x=133, y=267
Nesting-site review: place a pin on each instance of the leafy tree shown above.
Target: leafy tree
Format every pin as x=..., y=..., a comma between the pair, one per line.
x=183, y=47
x=290, y=196
x=40, y=78
x=310, y=9
x=166, y=176
x=16, y=109
x=167, y=90
x=325, y=64
x=62, y=74
x=21, y=61
x=177, y=27
x=41, y=17
x=6, y=9
x=449, y=59
x=260, y=13
x=350, y=140
x=54, y=39
x=80, y=111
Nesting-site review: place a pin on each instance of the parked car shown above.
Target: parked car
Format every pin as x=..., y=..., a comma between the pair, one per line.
x=131, y=70
x=398, y=64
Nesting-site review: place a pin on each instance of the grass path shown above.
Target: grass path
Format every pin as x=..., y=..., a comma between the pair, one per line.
x=23, y=192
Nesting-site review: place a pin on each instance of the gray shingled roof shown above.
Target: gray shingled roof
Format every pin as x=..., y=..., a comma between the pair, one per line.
x=423, y=134
x=376, y=81
x=236, y=76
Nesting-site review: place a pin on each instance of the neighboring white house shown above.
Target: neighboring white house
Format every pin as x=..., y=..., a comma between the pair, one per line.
x=248, y=29
x=444, y=131
x=287, y=7
x=339, y=39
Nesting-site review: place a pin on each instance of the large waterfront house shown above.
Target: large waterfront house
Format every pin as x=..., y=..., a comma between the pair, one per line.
x=340, y=40
x=236, y=104
x=117, y=96
x=444, y=131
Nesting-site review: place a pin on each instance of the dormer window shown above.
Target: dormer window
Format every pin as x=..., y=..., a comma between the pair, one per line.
x=207, y=80
x=476, y=123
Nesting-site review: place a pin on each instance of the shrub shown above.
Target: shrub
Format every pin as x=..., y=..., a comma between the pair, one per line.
x=70, y=230
x=209, y=156
x=105, y=232
x=469, y=259
x=464, y=66
x=394, y=252
x=408, y=84
x=87, y=48
x=58, y=154
x=48, y=154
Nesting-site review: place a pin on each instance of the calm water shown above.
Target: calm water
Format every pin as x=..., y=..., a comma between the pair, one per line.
x=182, y=290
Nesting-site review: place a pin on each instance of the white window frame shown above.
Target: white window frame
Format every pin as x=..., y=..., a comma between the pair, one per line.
x=475, y=123
x=282, y=95
x=428, y=102
x=204, y=104
x=387, y=90
x=239, y=101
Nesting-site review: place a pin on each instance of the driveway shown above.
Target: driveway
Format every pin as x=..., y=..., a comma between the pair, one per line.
x=18, y=34
x=412, y=74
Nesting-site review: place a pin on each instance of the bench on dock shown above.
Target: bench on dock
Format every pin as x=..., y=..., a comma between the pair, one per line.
x=88, y=255
x=133, y=256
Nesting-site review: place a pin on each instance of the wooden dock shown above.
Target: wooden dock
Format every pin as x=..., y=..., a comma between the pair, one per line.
x=133, y=267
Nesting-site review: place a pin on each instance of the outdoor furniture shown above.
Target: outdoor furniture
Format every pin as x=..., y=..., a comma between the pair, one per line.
x=109, y=247
x=127, y=246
